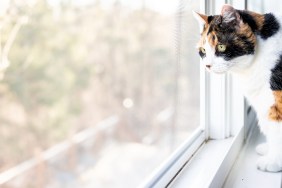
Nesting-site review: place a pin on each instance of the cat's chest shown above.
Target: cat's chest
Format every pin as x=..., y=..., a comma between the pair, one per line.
x=261, y=100
x=255, y=80
x=256, y=87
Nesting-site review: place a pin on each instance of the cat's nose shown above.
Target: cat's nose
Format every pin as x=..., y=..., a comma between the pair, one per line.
x=208, y=66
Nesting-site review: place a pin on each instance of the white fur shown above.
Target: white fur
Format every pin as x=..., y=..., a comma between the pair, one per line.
x=262, y=149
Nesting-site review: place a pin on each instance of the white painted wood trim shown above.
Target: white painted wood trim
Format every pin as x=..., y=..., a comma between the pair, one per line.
x=224, y=102
x=227, y=163
x=163, y=175
x=202, y=169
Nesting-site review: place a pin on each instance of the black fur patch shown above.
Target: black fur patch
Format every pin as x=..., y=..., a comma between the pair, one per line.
x=210, y=18
x=270, y=26
x=232, y=49
x=276, y=75
x=247, y=18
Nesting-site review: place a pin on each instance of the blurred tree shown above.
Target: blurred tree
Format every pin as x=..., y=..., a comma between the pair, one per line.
x=45, y=77
x=73, y=65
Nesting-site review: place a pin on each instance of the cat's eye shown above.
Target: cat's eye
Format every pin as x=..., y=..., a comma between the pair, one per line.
x=221, y=47
x=202, y=50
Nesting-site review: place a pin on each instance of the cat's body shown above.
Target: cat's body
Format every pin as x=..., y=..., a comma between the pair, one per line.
x=249, y=45
x=256, y=85
x=256, y=79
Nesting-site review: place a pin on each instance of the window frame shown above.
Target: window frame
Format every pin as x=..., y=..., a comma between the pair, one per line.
x=220, y=127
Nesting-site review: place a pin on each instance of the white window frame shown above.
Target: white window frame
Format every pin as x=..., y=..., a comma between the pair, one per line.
x=226, y=121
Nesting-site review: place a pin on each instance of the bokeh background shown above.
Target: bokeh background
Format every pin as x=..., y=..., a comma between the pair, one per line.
x=94, y=93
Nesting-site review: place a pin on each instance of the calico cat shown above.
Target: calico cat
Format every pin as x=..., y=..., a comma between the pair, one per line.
x=249, y=46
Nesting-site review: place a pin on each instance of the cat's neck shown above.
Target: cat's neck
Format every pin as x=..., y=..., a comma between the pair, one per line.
x=255, y=77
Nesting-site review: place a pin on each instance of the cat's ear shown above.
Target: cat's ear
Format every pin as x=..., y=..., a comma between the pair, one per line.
x=201, y=18
x=230, y=15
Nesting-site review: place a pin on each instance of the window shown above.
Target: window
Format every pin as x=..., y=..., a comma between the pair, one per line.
x=228, y=123
x=94, y=93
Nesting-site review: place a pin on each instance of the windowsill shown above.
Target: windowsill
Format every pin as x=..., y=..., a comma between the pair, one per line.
x=203, y=167
x=211, y=164
x=244, y=172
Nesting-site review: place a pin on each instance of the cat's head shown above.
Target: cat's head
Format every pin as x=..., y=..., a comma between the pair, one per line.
x=227, y=42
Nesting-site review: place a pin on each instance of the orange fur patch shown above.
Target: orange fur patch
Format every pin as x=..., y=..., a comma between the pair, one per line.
x=212, y=39
x=259, y=19
x=275, y=111
x=203, y=36
x=246, y=30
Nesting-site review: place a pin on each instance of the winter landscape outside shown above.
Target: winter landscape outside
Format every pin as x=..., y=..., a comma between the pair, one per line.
x=94, y=93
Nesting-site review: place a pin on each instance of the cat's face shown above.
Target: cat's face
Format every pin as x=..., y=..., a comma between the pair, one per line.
x=226, y=43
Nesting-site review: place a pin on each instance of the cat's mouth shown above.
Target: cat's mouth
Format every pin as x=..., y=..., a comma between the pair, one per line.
x=218, y=69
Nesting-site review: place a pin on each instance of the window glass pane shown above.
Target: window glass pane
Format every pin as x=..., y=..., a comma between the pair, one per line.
x=94, y=93
x=257, y=6
x=273, y=6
